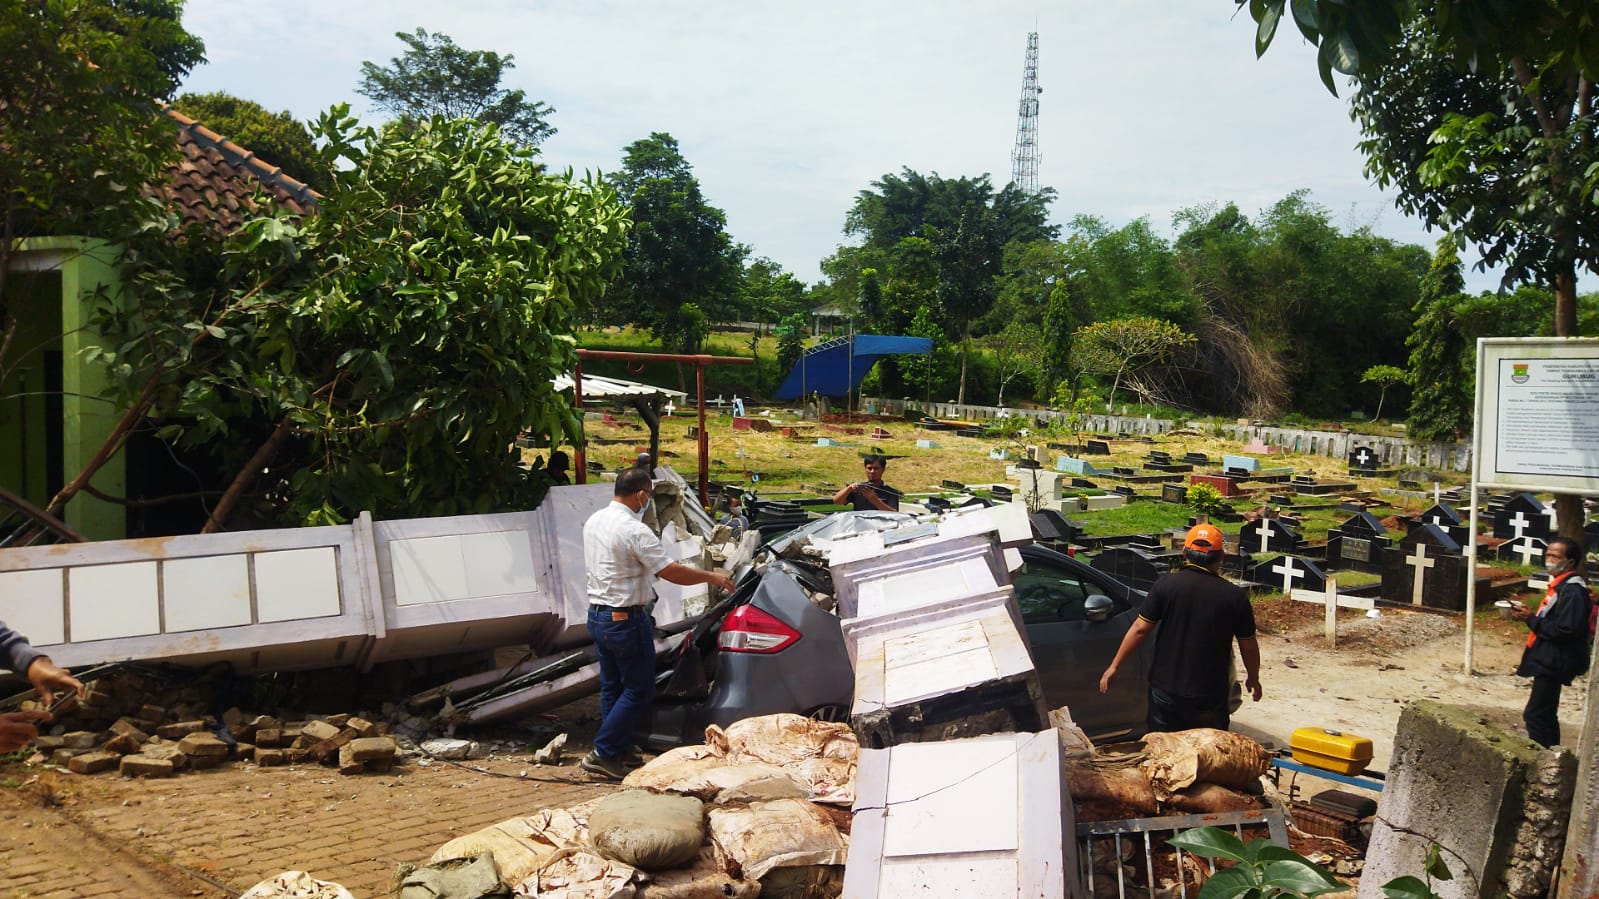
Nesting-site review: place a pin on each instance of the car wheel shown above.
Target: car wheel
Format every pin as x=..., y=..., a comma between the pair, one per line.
x=835, y=713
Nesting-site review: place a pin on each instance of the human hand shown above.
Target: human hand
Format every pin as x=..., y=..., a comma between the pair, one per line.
x=48, y=677
x=724, y=580
x=17, y=728
x=1106, y=678
x=1253, y=686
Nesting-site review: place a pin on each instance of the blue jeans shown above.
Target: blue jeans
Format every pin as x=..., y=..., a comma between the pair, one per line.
x=627, y=675
x=1173, y=713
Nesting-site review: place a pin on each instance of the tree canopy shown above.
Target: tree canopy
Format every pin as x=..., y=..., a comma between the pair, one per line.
x=679, y=254
x=435, y=77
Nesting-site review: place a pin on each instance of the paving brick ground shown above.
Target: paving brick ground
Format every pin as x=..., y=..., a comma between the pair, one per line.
x=103, y=835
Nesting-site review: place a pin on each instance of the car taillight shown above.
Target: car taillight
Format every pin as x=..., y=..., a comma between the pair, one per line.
x=748, y=629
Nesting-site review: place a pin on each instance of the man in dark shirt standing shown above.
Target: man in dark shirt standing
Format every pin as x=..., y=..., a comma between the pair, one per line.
x=871, y=494
x=1200, y=613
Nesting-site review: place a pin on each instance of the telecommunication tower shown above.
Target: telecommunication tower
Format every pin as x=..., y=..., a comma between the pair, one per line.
x=1024, y=159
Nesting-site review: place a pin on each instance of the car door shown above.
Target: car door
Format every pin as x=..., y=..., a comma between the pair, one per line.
x=1070, y=652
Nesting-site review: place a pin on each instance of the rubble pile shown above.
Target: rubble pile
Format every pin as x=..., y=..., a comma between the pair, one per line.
x=760, y=809
x=116, y=726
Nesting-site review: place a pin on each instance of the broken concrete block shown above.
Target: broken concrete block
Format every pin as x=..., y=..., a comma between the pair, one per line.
x=145, y=766
x=453, y=750
x=177, y=730
x=318, y=731
x=80, y=739
x=64, y=756
x=204, y=750
x=347, y=761
x=93, y=762
x=380, y=766
x=243, y=750
x=46, y=743
x=152, y=713
x=168, y=752
x=268, y=736
x=340, y=720
x=270, y=758
x=122, y=744
x=551, y=753
x=125, y=726
x=367, y=749
x=261, y=722
x=362, y=727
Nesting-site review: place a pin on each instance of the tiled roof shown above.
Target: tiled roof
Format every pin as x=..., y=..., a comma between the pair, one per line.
x=222, y=183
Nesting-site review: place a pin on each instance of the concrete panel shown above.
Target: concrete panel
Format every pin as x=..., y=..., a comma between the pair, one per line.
x=498, y=563
x=111, y=601
x=297, y=584
x=1456, y=781
x=33, y=603
x=427, y=569
x=205, y=592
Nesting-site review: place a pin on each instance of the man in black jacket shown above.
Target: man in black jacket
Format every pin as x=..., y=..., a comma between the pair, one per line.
x=1558, y=647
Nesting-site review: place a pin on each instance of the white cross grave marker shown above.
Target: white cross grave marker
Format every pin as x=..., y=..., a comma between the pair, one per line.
x=1519, y=522
x=1554, y=525
x=1263, y=528
x=1363, y=457
x=1421, y=563
x=1290, y=572
x=1526, y=550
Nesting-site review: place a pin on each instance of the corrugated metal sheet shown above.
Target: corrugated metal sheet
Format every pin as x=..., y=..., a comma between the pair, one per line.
x=597, y=387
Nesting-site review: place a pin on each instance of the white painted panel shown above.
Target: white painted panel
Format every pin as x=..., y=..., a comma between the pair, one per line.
x=958, y=796
x=905, y=683
x=32, y=603
x=921, y=877
x=206, y=592
x=897, y=593
x=297, y=583
x=110, y=601
x=497, y=563
x=428, y=569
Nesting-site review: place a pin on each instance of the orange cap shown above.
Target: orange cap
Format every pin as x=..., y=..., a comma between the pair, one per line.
x=1206, y=537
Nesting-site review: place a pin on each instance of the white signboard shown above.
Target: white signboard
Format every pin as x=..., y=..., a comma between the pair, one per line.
x=1538, y=414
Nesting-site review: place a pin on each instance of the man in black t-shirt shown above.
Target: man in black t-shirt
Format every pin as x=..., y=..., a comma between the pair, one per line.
x=1200, y=613
x=871, y=494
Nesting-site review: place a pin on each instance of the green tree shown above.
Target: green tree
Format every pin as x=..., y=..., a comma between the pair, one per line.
x=790, y=342
x=275, y=137
x=1018, y=352
x=769, y=294
x=1126, y=350
x=678, y=251
x=435, y=77
x=1441, y=400
x=384, y=354
x=81, y=128
x=1384, y=376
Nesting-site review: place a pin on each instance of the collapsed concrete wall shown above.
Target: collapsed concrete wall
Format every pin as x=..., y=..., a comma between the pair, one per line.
x=1494, y=802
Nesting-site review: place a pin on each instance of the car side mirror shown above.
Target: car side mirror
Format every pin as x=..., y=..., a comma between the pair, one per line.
x=1098, y=607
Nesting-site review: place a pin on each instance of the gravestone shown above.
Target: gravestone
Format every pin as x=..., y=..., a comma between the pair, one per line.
x=1281, y=499
x=1050, y=526
x=1224, y=485
x=1131, y=565
x=1365, y=462
x=1173, y=493
x=1001, y=493
x=1309, y=485
x=1425, y=569
x=948, y=484
x=1097, y=448
x=1073, y=465
x=1196, y=458
x=1084, y=483
x=1159, y=460
x=1357, y=543
x=1523, y=551
x=1125, y=490
x=1268, y=535
x=1240, y=463
x=1444, y=517
x=1523, y=515
x=1289, y=573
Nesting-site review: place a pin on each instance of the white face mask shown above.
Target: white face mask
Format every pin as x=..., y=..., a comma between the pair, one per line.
x=648, y=500
x=1557, y=567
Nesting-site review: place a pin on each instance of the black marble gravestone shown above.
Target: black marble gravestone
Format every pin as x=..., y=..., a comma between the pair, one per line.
x=1050, y=526
x=1362, y=458
x=1097, y=448
x=1425, y=569
x=1522, y=551
x=1524, y=516
x=1288, y=573
x=1357, y=543
x=1268, y=535
x=1132, y=565
x=1173, y=493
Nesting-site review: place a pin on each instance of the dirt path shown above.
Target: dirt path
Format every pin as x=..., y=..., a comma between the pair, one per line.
x=1379, y=665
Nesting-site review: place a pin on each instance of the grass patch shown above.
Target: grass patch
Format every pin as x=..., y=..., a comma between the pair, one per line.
x=1133, y=518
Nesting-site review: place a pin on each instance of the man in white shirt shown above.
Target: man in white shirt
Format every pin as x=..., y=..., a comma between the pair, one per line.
x=623, y=557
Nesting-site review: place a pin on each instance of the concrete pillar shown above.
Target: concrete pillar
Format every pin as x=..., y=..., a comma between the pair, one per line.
x=1579, y=869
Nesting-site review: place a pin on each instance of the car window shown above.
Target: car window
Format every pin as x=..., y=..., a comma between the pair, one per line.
x=1047, y=593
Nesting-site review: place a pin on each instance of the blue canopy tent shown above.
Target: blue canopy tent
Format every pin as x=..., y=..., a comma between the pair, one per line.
x=835, y=368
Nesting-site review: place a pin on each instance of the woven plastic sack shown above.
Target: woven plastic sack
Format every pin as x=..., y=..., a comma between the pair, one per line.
x=651, y=831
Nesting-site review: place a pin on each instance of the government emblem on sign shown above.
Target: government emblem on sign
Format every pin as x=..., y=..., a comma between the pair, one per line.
x=1518, y=372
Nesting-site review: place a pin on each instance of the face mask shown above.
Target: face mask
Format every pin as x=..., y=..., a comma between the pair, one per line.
x=648, y=501
x=1556, y=567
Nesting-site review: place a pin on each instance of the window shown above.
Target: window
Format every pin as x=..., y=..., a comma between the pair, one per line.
x=1047, y=593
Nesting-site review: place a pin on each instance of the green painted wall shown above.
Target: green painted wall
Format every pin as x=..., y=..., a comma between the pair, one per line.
x=61, y=279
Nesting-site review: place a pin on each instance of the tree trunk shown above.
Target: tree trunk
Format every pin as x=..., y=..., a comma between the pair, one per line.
x=960, y=396
x=113, y=443
x=1569, y=514
x=246, y=476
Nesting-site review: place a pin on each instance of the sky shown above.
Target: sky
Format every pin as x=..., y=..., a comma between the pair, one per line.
x=786, y=111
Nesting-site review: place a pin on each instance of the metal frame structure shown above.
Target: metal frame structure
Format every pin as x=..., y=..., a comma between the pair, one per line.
x=1137, y=832
x=1024, y=159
